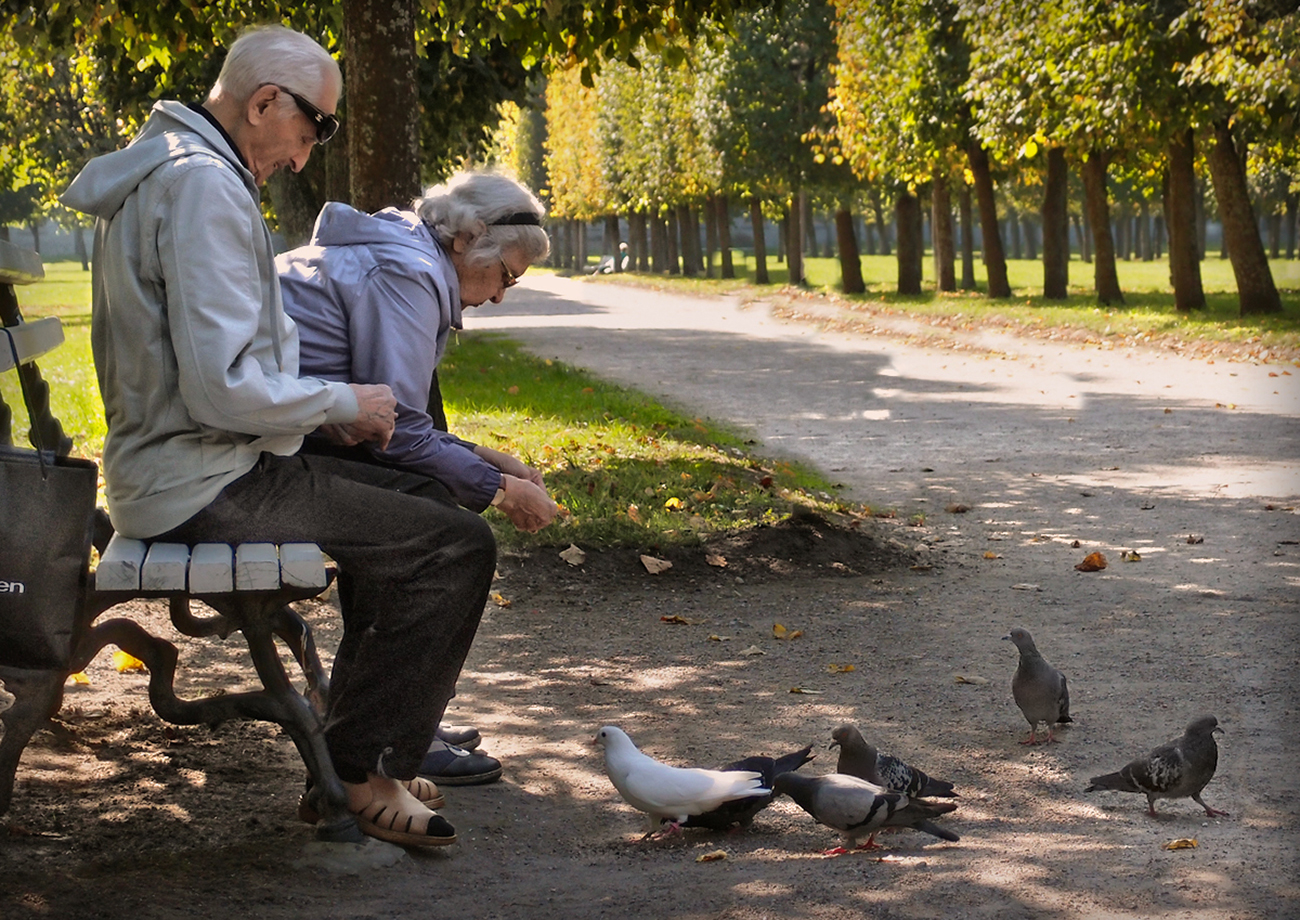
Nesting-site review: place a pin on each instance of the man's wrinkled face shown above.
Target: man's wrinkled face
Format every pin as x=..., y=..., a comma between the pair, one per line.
x=281, y=135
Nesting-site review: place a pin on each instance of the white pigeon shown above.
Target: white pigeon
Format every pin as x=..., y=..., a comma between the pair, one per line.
x=667, y=793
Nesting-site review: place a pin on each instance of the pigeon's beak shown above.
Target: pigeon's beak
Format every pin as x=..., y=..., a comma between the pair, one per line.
x=833, y=744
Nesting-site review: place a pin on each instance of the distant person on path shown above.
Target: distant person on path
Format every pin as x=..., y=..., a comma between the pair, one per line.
x=375, y=297
x=198, y=369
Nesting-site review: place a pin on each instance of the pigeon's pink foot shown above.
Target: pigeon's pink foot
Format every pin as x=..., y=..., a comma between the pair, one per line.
x=870, y=844
x=1032, y=739
x=1214, y=812
x=834, y=851
x=1151, y=810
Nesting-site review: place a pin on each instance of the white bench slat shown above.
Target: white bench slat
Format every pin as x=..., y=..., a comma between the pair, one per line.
x=302, y=565
x=31, y=340
x=164, y=567
x=257, y=567
x=212, y=569
x=120, y=564
x=19, y=265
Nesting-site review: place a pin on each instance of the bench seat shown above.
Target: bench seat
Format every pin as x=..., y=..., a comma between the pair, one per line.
x=210, y=568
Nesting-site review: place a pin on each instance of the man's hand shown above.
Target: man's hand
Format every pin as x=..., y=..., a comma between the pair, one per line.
x=510, y=465
x=526, y=504
x=376, y=416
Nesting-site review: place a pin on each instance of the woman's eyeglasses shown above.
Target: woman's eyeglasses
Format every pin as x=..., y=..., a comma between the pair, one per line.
x=508, y=278
x=327, y=125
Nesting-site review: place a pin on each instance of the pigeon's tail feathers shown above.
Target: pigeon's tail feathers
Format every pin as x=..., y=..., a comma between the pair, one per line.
x=938, y=788
x=788, y=763
x=935, y=830
x=1063, y=715
x=1118, y=781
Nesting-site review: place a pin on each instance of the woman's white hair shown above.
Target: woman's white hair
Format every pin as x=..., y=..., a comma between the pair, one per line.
x=471, y=203
x=274, y=54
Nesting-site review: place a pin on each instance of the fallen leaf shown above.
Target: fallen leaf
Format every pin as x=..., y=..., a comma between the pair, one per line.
x=573, y=555
x=1025, y=586
x=753, y=650
x=634, y=513
x=597, y=682
x=1182, y=843
x=806, y=690
x=655, y=566
x=719, y=562
x=1193, y=539
x=125, y=661
x=989, y=554
x=1169, y=411
x=921, y=568
x=1131, y=557
x=513, y=391
x=1076, y=544
x=970, y=679
x=716, y=638
x=499, y=600
x=1093, y=562
x=677, y=620
x=780, y=632
x=956, y=508
x=80, y=679
x=673, y=502
x=840, y=668
x=712, y=857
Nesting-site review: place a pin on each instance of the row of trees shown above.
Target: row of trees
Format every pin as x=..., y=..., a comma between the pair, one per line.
x=961, y=105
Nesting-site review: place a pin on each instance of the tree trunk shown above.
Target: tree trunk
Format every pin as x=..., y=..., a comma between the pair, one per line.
x=724, y=236
x=613, y=237
x=1274, y=234
x=1292, y=206
x=672, y=233
x=1105, y=275
x=1081, y=236
x=1180, y=211
x=1256, y=291
x=79, y=238
x=338, y=172
x=808, y=224
x=850, y=262
x=1056, y=226
x=1158, y=235
x=1013, y=233
x=1085, y=242
x=967, y=239
x=870, y=236
x=383, y=131
x=911, y=250
x=658, y=244
x=760, y=244
x=1202, y=221
x=794, y=238
x=878, y=207
x=296, y=205
x=941, y=235
x=34, y=227
x=995, y=259
x=710, y=234
x=640, y=240
x=690, y=242
x=1145, y=242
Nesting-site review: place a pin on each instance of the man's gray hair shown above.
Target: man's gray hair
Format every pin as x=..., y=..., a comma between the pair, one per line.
x=471, y=203
x=274, y=54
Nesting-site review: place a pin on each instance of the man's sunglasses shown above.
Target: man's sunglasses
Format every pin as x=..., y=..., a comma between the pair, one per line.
x=326, y=125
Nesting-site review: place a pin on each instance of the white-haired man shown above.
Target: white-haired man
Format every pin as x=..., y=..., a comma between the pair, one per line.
x=198, y=369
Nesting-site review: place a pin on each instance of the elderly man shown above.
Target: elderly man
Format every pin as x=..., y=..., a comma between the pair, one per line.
x=198, y=369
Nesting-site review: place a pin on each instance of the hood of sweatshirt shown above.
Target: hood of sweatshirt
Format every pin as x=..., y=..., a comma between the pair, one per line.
x=343, y=225
x=172, y=131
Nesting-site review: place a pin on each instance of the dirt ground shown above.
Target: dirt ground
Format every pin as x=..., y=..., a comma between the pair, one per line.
x=119, y=815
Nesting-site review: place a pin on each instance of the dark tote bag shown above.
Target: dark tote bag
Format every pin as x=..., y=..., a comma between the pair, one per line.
x=47, y=506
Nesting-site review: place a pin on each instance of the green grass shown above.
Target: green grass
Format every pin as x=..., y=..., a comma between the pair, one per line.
x=1147, y=315
x=629, y=471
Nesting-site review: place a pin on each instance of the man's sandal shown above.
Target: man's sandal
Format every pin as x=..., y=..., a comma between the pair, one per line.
x=428, y=794
x=386, y=823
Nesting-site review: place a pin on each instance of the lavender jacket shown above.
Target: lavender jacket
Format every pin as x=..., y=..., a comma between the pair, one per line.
x=374, y=297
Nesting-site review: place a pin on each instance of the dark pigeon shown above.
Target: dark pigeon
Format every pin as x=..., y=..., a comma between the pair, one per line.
x=858, y=757
x=740, y=813
x=1177, y=769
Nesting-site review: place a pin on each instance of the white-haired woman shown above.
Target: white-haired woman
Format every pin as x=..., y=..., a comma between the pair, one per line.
x=375, y=297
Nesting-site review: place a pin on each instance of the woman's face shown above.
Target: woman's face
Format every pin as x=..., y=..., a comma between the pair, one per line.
x=481, y=283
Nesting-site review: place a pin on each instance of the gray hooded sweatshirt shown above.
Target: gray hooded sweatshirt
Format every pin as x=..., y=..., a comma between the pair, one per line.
x=197, y=361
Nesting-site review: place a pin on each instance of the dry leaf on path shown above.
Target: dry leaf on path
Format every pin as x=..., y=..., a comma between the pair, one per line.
x=714, y=637
x=753, y=650
x=1182, y=843
x=1131, y=556
x=970, y=679
x=840, y=668
x=677, y=620
x=921, y=568
x=712, y=857
x=125, y=661
x=499, y=600
x=1026, y=586
x=956, y=508
x=80, y=679
x=713, y=559
x=780, y=632
x=1193, y=539
x=989, y=554
x=573, y=555
x=806, y=690
x=655, y=566
x=1093, y=562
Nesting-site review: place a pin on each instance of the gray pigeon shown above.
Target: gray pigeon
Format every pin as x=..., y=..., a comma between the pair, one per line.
x=1175, y=770
x=740, y=812
x=858, y=757
x=1039, y=688
x=858, y=808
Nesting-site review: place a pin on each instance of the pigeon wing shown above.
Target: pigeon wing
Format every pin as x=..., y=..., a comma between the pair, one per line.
x=660, y=789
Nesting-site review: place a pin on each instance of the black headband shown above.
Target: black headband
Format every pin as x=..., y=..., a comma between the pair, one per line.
x=518, y=219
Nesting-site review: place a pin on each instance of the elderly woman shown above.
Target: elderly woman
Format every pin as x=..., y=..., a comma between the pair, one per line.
x=374, y=297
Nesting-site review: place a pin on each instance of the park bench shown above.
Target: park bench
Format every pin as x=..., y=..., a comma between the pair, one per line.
x=249, y=586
